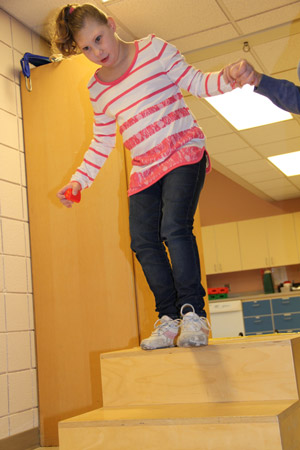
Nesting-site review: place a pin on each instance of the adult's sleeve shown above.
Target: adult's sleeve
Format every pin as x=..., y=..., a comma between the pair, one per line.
x=283, y=93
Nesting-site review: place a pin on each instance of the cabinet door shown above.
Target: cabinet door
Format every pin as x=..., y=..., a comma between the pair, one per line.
x=282, y=240
x=228, y=249
x=297, y=230
x=253, y=244
x=209, y=249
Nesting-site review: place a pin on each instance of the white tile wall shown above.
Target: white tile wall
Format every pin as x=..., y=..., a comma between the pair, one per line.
x=18, y=377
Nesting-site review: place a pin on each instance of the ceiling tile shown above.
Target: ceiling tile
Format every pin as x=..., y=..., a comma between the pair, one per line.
x=281, y=54
x=244, y=8
x=283, y=193
x=251, y=167
x=270, y=19
x=199, y=108
x=236, y=156
x=214, y=126
x=279, y=148
x=277, y=183
x=270, y=174
x=290, y=75
x=271, y=133
x=295, y=180
x=224, y=143
x=168, y=19
x=218, y=62
x=205, y=38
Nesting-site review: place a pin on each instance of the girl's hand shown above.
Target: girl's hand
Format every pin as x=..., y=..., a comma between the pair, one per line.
x=241, y=73
x=75, y=186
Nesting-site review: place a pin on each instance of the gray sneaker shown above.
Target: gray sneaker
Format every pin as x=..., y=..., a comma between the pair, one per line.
x=164, y=334
x=194, y=329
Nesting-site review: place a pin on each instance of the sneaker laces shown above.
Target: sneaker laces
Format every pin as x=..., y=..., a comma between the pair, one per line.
x=160, y=327
x=193, y=322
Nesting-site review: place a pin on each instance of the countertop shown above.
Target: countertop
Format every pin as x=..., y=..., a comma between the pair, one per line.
x=246, y=297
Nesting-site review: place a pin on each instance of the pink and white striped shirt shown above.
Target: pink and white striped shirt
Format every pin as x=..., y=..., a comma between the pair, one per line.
x=156, y=125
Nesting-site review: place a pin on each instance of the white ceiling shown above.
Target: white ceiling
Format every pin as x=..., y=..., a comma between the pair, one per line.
x=211, y=34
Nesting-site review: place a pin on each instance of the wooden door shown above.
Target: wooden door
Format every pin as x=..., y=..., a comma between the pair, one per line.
x=82, y=267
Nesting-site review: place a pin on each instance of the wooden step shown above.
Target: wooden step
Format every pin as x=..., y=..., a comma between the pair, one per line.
x=238, y=369
x=227, y=426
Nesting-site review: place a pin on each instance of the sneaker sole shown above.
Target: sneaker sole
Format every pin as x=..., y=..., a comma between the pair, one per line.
x=145, y=347
x=192, y=344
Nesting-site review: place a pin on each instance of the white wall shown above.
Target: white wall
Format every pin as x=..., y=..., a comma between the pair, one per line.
x=18, y=377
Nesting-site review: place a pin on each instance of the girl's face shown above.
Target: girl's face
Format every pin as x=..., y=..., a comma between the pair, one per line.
x=98, y=42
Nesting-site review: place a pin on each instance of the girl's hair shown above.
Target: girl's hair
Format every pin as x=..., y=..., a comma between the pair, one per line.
x=70, y=21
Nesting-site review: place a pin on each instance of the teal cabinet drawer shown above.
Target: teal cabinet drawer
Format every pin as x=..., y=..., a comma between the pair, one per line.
x=258, y=324
x=286, y=305
x=286, y=321
x=256, y=308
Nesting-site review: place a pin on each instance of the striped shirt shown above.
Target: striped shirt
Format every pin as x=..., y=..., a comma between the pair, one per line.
x=156, y=125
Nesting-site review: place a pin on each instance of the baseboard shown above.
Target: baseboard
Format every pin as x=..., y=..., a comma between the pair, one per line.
x=28, y=440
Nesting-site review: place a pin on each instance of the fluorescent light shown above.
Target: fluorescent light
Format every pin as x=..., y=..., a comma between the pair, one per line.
x=244, y=109
x=289, y=163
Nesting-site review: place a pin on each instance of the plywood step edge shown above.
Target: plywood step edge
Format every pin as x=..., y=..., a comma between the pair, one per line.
x=232, y=412
x=217, y=343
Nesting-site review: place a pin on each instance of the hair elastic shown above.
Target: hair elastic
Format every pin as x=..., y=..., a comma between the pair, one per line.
x=71, y=9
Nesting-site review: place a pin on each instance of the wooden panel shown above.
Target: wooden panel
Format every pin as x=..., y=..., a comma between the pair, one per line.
x=242, y=370
x=82, y=269
x=228, y=250
x=225, y=425
x=253, y=244
x=223, y=412
x=282, y=240
x=296, y=217
x=289, y=428
x=215, y=436
x=209, y=249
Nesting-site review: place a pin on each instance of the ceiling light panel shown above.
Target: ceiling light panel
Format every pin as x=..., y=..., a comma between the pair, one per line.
x=244, y=109
x=289, y=163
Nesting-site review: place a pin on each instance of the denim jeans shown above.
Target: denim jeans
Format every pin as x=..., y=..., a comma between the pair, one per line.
x=164, y=214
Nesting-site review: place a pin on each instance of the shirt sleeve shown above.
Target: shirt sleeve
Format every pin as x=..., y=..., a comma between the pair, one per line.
x=186, y=76
x=104, y=140
x=283, y=93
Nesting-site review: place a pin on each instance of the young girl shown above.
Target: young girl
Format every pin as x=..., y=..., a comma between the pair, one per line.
x=138, y=86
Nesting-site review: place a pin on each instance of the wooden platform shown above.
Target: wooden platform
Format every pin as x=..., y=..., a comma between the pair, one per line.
x=233, y=394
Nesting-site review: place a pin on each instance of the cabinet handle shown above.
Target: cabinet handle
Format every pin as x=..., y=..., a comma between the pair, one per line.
x=272, y=261
x=215, y=267
x=220, y=267
x=266, y=260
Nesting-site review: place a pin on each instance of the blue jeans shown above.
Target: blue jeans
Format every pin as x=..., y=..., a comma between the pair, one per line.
x=164, y=214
